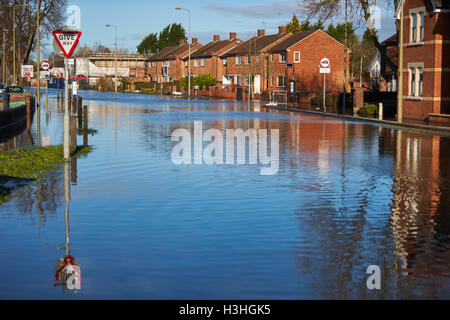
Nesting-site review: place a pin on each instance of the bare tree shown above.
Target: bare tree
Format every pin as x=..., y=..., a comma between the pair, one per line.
x=359, y=11
x=51, y=18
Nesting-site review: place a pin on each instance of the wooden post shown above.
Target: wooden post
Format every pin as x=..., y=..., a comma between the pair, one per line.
x=57, y=95
x=28, y=102
x=380, y=111
x=80, y=113
x=73, y=132
x=85, y=125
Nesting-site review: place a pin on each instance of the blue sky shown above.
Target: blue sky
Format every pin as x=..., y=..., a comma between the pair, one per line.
x=135, y=19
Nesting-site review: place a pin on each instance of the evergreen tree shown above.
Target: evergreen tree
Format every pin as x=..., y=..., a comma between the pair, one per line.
x=294, y=25
x=169, y=36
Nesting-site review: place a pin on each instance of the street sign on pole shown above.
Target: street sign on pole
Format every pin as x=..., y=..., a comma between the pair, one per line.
x=67, y=41
x=27, y=71
x=45, y=65
x=325, y=62
x=325, y=70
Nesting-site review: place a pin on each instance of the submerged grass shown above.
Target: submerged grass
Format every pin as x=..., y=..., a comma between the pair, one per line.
x=19, y=167
x=30, y=163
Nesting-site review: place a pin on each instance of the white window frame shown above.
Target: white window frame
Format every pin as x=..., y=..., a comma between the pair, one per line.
x=295, y=56
x=283, y=55
x=238, y=79
x=202, y=62
x=195, y=62
x=247, y=60
x=224, y=62
x=238, y=60
x=415, y=80
x=417, y=32
x=284, y=81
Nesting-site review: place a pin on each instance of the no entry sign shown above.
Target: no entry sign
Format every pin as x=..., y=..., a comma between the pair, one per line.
x=325, y=62
x=45, y=65
x=67, y=41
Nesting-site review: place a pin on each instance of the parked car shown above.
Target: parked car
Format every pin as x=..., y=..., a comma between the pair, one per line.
x=14, y=89
x=2, y=88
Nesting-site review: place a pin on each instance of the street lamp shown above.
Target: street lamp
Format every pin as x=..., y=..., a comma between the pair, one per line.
x=115, y=55
x=189, y=58
x=4, y=58
x=14, y=38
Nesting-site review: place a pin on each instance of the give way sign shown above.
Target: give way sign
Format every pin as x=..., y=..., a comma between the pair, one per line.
x=67, y=41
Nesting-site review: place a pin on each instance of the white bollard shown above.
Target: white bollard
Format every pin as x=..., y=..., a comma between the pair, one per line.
x=380, y=111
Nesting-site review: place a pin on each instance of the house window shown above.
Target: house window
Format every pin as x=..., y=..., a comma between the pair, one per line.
x=270, y=81
x=296, y=57
x=414, y=27
x=168, y=64
x=238, y=60
x=224, y=61
x=238, y=80
x=416, y=79
x=412, y=82
x=271, y=58
x=203, y=62
x=422, y=26
x=282, y=57
x=281, y=81
x=247, y=60
x=196, y=63
x=186, y=63
x=247, y=81
x=420, y=80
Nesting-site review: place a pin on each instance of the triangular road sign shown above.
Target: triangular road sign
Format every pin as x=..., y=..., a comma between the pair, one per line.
x=67, y=41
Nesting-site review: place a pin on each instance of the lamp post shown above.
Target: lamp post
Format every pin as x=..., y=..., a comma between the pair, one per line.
x=14, y=39
x=360, y=72
x=4, y=58
x=38, y=86
x=189, y=57
x=115, y=56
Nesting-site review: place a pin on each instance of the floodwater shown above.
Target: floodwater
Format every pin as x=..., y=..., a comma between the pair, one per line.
x=346, y=196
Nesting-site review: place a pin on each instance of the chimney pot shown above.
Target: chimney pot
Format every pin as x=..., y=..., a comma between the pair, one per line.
x=216, y=37
x=232, y=35
x=261, y=32
x=282, y=29
x=181, y=42
x=194, y=40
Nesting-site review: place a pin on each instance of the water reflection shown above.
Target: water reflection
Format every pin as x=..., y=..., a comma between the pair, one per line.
x=347, y=195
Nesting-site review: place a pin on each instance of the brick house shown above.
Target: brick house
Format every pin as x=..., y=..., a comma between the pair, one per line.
x=172, y=59
x=426, y=59
x=248, y=61
x=297, y=58
x=210, y=59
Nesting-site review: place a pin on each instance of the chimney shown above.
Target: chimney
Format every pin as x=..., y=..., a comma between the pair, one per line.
x=216, y=37
x=181, y=42
x=194, y=40
x=281, y=29
x=232, y=35
x=261, y=32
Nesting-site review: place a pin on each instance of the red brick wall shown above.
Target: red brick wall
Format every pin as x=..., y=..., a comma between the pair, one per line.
x=434, y=54
x=306, y=73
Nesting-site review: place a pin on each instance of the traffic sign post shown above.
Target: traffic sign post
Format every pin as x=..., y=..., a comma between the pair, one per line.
x=67, y=40
x=45, y=65
x=325, y=67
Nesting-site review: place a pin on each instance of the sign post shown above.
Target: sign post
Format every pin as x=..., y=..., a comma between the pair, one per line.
x=325, y=68
x=67, y=40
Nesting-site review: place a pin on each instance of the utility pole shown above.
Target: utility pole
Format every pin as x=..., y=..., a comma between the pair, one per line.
x=4, y=58
x=115, y=56
x=189, y=57
x=400, y=68
x=14, y=40
x=38, y=88
x=345, y=60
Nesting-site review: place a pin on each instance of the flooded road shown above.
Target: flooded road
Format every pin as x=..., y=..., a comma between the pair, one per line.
x=346, y=196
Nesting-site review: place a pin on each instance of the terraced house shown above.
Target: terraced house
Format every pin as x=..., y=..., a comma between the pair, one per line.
x=168, y=65
x=294, y=63
x=210, y=59
x=426, y=60
x=247, y=65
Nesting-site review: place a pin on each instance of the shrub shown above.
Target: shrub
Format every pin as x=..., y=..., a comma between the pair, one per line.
x=368, y=110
